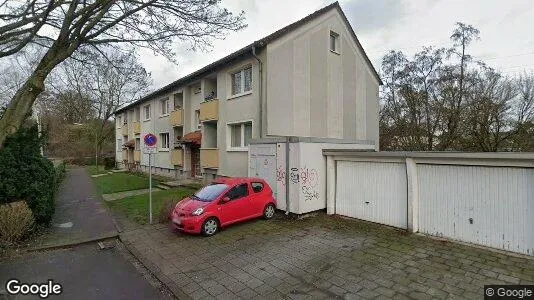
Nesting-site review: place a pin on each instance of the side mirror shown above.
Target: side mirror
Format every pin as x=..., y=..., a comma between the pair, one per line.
x=225, y=200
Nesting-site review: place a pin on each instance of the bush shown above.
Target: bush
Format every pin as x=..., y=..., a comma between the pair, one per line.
x=109, y=162
x=28, y=175
x=16, y=221
x=166, y=210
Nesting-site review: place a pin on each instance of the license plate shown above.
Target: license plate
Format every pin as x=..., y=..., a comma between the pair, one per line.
x=177, y=221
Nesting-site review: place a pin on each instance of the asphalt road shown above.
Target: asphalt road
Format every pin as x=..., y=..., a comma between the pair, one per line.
x=84, y=271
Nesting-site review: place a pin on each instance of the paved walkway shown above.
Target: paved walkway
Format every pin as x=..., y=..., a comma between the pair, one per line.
x=80, y=215
x=321, y=257
x=121, y=195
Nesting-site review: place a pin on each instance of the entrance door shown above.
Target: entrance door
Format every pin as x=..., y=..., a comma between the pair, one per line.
x=195, y=162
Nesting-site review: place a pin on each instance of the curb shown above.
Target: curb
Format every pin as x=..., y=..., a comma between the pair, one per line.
x=76, y=243
x=156, y=271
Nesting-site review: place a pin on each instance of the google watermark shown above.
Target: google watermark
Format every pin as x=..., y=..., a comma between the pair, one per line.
x=509, y=292
x=42, y=290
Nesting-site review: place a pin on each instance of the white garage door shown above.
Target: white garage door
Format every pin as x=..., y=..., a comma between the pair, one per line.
x=372, y=191
x=262, y=164
x=484, y=205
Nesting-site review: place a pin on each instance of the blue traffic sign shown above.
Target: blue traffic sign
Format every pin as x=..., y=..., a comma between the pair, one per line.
x=150, y=140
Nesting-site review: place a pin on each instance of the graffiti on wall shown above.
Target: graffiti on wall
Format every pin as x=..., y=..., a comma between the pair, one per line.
x=281, y=175
x=309, y=193
x=307, y=178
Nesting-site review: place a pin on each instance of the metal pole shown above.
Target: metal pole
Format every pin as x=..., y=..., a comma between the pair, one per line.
x=150, y=184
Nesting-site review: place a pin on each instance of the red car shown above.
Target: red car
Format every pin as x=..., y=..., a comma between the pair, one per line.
x=224, y=202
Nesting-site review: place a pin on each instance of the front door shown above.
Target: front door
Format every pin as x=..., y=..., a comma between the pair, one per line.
x=195, y=162
x=238, y=206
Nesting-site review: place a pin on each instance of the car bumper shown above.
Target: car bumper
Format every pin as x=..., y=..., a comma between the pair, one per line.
x=186, y=223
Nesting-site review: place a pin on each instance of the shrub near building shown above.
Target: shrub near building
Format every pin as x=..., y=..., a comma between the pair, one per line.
x=28, y=176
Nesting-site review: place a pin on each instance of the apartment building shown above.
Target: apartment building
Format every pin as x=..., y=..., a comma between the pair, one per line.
x=311, y=79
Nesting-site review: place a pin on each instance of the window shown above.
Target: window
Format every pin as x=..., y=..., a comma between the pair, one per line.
x=164, y=107
x=242, y=81
x=334, y=42
x=125, y=118
x=137, y=144
x=137, y=114
x=119, y=145
x=240, y=135
x=197, y=118
x=119, y=121
x=164, y=140
x=211, y=192
x=257, y=187
x=147, y=112
x=237, y=192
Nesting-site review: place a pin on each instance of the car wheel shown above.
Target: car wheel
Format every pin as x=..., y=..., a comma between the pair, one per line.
x=268, y=212
x=210, y=227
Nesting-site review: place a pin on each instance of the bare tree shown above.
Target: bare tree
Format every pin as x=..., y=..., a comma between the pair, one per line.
x=65, y=27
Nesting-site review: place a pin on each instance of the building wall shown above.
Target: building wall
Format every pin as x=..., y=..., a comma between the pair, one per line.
x=330, y=94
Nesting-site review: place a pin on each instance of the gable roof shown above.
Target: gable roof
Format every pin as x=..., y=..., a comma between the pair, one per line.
x=247, y=51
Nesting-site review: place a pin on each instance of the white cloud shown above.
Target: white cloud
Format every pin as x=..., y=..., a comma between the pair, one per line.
x=381, y=26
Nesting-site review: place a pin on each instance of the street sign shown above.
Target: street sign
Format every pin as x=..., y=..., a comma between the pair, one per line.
x=150, y=140
x=150, y=150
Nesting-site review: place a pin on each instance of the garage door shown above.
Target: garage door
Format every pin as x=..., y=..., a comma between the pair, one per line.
x=262, y=164
x=372, y=191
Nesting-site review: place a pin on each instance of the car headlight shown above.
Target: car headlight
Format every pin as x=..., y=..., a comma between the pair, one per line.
x=198, y=211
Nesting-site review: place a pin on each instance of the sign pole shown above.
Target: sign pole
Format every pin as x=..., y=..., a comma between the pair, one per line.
x=150, y=184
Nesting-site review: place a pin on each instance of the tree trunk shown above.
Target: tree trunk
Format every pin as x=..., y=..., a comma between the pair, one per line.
x=20, y=106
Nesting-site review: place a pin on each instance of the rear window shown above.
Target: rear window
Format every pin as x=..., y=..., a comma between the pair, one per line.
x=257, y=187
x=211, y=192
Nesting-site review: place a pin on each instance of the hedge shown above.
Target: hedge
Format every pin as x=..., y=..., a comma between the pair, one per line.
x=27, y=175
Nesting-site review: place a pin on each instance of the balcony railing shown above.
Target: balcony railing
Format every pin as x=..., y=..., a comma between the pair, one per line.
x=124, y=154
x=124, y=129
x=209, y=110
x=177, y=157
x=177, y=117
x=137, y=155
x=137, y=127
x=209, y=158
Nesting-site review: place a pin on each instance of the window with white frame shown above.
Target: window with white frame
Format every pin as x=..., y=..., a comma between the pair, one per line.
x=334, y=42
x=125, y=118
x=240, y=135
x=164, y=140
x=119, y=145
x=242, y=81
x=164, y=104
x=119, y=121
x=146, y=109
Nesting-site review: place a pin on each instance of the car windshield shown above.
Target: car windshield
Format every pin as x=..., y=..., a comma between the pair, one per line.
x=210, y=192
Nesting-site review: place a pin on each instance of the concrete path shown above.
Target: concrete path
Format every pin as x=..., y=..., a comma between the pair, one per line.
x=121, y=195
x=80, y=215
x=321, y=257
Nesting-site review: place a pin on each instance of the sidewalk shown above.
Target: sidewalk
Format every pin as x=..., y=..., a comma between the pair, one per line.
x=80, y=216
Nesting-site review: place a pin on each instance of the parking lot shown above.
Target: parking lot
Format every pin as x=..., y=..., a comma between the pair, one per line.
x=321, y=257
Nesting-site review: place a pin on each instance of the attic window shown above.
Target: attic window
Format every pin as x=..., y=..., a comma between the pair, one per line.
x=334, y=42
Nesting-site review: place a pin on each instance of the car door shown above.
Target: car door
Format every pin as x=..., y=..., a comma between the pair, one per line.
x=238, y=207
x=257, y=197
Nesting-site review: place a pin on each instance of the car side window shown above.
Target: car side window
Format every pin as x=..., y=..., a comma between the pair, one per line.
x=257, y=187
x=237, y=192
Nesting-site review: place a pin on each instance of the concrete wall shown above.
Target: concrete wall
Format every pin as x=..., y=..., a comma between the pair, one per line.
x=329, y=94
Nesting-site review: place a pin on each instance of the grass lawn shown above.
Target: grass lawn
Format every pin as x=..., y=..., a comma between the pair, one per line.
x=136, y=207
x=92, y=170
x=120, y=182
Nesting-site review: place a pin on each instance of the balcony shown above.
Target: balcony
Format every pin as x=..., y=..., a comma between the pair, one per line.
x=125, y=129
x=124, y=154
x=209, y=110
x=137, y=127
x=177, y=157
x=209, y=158
x=177, y=118
x=137, y=155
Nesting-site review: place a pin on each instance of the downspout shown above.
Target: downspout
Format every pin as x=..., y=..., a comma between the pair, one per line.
x=287, y=175
x=260, y=89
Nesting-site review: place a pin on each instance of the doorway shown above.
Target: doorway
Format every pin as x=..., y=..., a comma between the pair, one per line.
x=195, y=162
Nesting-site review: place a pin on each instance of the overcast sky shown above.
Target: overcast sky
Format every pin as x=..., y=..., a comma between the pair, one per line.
x=506, y=30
